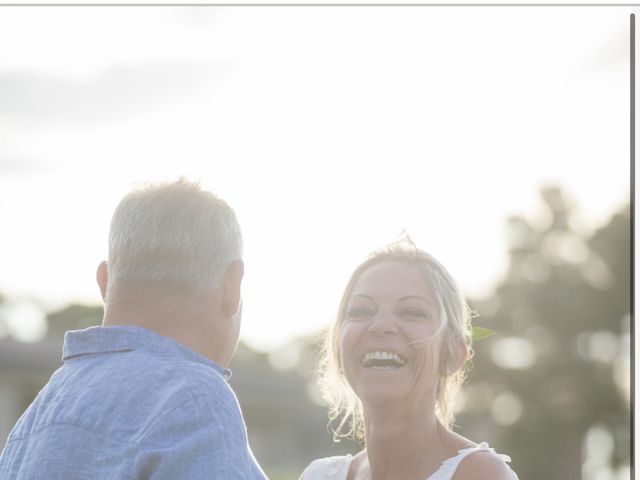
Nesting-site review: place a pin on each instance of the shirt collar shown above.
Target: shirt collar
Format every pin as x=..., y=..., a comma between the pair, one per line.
x=123, y=338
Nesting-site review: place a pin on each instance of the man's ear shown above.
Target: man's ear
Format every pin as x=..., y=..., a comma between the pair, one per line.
x=102, y=276
x=231, y=288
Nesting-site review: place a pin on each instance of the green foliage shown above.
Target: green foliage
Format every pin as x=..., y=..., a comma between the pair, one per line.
x=478, y=333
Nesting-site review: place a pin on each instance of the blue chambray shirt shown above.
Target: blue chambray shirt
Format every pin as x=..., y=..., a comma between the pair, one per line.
x=131, y=404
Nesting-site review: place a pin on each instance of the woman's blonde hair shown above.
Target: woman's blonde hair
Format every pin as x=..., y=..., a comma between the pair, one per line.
x=345, y=408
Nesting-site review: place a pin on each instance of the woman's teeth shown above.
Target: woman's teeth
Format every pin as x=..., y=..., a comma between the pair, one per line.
x=382, y=359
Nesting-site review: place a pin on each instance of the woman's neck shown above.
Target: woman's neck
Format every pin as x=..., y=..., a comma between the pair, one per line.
x=403, y=442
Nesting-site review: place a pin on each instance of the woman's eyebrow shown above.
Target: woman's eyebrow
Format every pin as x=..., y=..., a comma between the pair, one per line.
x=420, y=297
x=362, y=295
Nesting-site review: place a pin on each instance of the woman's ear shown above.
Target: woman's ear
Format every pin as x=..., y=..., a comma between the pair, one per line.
x=457, y=356
x=102, y=277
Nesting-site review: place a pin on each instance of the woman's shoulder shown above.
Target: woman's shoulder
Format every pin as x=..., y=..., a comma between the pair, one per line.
x=333, y=468
x=481, y=462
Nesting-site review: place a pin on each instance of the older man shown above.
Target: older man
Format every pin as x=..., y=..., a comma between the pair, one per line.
x=145, y=395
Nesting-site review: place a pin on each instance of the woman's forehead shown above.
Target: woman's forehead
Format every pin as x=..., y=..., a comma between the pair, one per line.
x=393, y=278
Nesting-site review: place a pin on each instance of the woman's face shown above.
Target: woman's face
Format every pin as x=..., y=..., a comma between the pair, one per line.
x=390, y=336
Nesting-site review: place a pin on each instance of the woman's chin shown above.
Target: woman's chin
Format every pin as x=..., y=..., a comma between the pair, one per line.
x=391, y=386
x=390, y=392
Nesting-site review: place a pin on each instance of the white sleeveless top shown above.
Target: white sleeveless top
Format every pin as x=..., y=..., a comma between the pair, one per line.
x=337, y=468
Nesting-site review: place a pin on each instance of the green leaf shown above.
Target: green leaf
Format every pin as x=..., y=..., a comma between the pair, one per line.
x=478, y=333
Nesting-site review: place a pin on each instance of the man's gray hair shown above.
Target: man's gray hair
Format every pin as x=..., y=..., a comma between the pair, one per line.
x=173, y=236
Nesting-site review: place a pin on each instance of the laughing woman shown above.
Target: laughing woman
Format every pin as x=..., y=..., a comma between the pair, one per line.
x=392, y=364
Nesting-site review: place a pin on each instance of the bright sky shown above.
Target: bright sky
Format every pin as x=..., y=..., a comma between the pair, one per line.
x=329, y=130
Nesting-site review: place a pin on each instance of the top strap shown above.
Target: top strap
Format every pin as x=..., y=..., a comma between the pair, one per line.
x=450, y=465
x=333, y=468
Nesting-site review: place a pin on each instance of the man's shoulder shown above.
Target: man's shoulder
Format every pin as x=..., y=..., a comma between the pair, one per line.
x=170, y=377
x=127, y=392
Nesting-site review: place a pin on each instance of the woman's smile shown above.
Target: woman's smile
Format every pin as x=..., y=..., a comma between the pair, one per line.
x=384, y=360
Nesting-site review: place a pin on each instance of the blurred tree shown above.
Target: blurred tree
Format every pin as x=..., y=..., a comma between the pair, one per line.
x=557, y=367
x=3, y=320
x=73, y=317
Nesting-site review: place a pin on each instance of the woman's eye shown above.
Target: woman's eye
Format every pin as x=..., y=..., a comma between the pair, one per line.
x=359, y=312
x=413, y=313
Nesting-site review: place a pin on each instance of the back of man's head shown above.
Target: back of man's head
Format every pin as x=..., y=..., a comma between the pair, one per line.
x=171, y=237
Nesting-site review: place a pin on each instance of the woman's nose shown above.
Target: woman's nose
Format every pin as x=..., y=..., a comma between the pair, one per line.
x=383, y=323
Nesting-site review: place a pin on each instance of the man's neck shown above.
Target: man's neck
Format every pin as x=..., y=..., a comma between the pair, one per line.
x=169, y=319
